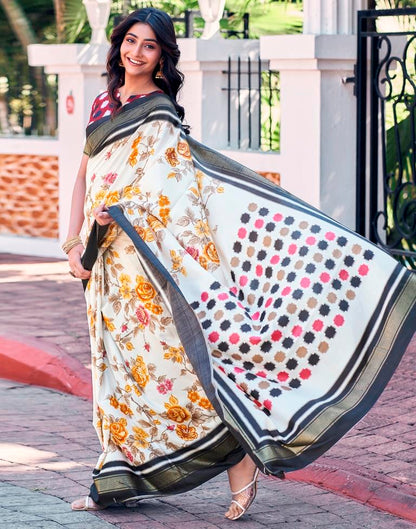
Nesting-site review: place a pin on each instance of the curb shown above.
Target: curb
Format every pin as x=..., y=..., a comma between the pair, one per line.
x=34, y=362
x=38, y=363
x=378, y=490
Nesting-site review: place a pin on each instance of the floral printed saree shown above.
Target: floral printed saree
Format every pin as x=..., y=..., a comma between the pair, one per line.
x=226, y=316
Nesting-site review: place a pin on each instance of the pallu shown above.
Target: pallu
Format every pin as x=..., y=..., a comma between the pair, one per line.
x=226, y=315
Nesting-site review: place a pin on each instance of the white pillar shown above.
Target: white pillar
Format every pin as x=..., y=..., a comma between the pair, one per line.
x=331, y=17
x=79, y=68
x=318, y=110
x=211, y=12
x=203, y=63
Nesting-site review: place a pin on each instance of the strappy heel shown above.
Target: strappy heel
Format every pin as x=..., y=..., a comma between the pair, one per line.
x=86, y=504
x=247, y=499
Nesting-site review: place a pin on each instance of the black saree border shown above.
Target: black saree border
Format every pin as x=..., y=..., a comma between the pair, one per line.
x=118, y=482
x=101, y=133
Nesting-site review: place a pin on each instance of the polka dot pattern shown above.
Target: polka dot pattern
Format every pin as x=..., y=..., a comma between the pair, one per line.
x=294, y=282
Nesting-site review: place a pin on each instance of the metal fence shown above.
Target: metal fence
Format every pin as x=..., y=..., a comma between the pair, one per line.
x=253, y=109
x=386, y=130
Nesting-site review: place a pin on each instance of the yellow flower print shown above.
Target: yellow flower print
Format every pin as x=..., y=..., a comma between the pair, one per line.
x=163, y=201
x=154, y=223
x=187, y=433
x=199, y=176
x=171, y=157
x=153, y=307
x=144, y=289
x=129, y=346
x=91, y=316
x=202, y=228
x=109, y=324
x=177, y=262
x=136, y=142
x=176, y=412
x=140, y=372
x=133, y=157
x=140, y=436
x=148, y=235
x=183, y=149
x=118, y=431
x=220, y=189
x=99, y=197
x=126, y=410
x=113, y=402
x=164, y=215
x=175, y=354
x=125, y=291
x=193, y=396
x=124, y=278
x=137, y=391
x=127, y=388
x=141, y=231
x=203, y=261
x=112, y=198
x=205, y=403
x=210, y=252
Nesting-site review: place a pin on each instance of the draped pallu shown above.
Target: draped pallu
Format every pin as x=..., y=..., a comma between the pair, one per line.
x=226, y=315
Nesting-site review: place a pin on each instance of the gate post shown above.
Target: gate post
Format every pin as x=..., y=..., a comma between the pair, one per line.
x=318, y=108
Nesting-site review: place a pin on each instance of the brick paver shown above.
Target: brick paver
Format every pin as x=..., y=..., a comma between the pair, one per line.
x=40, y=300
x=47, y=450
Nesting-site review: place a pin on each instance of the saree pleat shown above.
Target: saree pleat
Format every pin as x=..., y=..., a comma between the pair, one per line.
x=226, y=315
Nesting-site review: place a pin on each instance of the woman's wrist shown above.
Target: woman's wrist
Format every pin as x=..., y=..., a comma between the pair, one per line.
x=70, y=243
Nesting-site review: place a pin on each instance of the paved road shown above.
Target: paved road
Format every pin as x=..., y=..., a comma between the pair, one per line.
x=48, y=446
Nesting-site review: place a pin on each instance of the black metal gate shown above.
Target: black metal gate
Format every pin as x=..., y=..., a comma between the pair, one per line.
x=386, y=130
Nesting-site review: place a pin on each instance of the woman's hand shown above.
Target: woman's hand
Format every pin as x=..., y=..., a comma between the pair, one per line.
x=101, y=216
x=75, y=266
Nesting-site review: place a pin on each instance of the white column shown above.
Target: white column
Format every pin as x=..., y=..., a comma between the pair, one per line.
x=317, y=119
x=211, y=12
x=79, y=68
x=203, y=63
x=331, y=17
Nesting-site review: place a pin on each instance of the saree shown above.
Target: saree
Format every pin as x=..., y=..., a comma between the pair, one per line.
x=226, y=315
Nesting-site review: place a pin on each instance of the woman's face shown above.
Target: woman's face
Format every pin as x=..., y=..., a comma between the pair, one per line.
x=140, y=52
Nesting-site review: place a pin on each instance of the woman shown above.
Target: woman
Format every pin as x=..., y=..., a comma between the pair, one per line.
x=232, y=325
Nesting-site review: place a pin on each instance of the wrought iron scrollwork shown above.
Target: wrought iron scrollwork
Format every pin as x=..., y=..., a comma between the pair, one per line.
x=394, y=226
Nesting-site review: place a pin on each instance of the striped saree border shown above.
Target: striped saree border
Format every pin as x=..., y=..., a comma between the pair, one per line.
x=118, y=482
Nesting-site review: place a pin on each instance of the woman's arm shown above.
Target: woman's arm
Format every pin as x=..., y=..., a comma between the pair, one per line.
x=75, y=221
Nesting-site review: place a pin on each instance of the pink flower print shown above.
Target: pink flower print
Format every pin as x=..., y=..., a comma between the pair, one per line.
x=94, y=176
x=110, y=178
x=165, y=386
x=193, y=252
x=143, y=315
x=124, y=328
x=171, y=427
x=162, y=389
x=108, y=155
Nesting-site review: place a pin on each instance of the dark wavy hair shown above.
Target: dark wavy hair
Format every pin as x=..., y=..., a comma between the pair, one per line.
x=162, y=25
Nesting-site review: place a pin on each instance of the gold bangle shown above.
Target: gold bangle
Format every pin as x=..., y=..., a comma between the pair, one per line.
x=71, y=243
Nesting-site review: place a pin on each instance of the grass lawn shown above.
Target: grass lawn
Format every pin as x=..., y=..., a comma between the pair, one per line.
x=276, y=18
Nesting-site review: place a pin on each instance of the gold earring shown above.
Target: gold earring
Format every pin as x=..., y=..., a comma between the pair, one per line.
x=120, y=64
x=159, y=74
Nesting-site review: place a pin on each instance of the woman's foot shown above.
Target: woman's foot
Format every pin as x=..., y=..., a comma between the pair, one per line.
x=86, y=504
x=243, y=484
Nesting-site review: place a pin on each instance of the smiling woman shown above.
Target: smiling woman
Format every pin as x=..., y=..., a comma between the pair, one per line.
x=140, y=55
x=233, y=326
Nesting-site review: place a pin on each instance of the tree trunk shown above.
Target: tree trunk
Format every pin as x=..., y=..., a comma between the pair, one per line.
x=19, y=23
x=59, y=7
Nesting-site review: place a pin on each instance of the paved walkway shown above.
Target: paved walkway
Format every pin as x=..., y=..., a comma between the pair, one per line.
x=48, y=446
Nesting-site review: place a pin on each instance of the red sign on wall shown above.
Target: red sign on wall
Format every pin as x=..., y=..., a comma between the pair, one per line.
x=70, y=103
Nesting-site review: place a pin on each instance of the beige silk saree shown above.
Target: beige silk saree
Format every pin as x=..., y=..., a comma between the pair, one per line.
x=226, y=316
